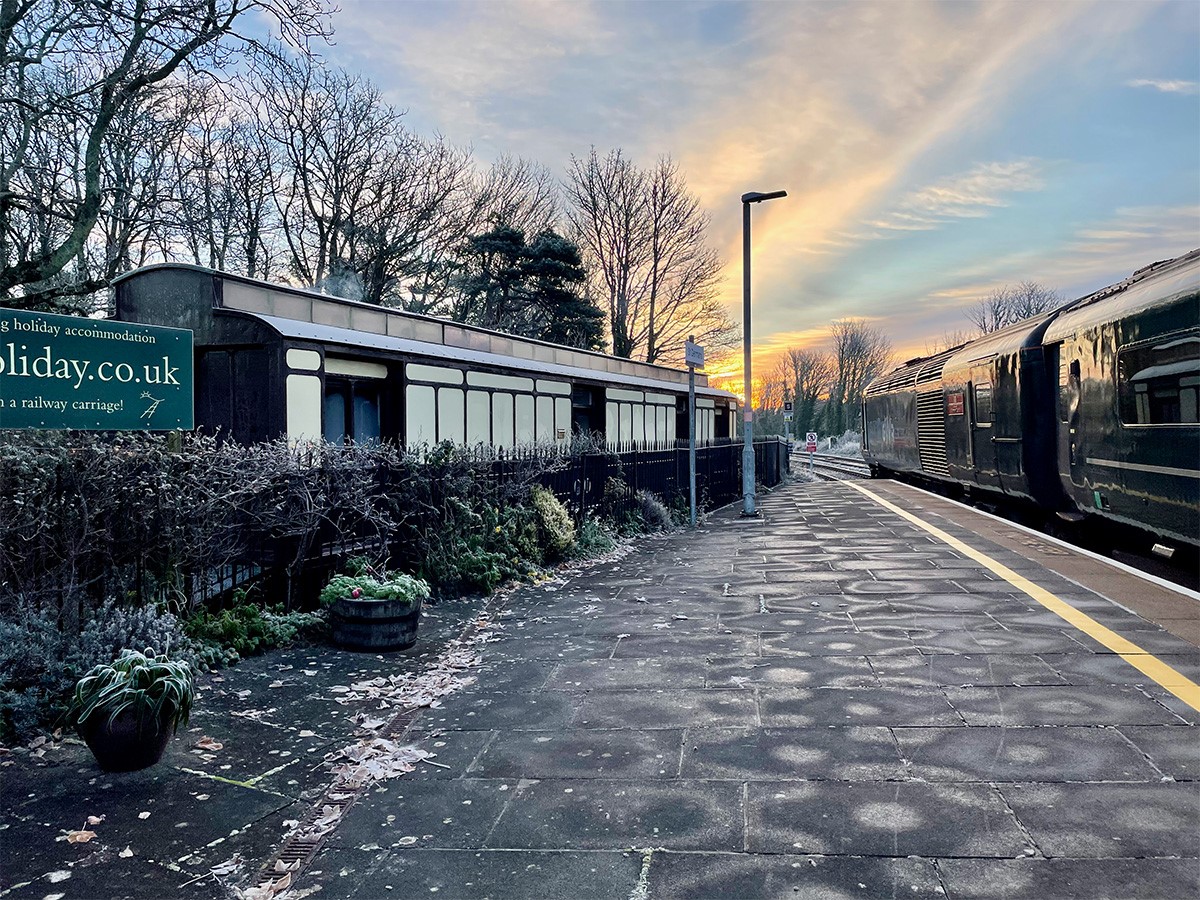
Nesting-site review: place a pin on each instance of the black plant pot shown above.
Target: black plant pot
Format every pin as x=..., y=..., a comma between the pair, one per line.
x=374, y=625
x=128, y=742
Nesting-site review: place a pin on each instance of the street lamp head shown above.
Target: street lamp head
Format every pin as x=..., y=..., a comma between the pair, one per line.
x=757, y=197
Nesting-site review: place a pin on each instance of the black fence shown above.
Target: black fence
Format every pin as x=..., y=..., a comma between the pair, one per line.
x=587, y=481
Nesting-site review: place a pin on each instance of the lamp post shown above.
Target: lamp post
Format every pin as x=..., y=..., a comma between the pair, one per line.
x=748, y=474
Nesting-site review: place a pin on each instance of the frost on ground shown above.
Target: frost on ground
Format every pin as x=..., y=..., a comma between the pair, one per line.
x=849, y=444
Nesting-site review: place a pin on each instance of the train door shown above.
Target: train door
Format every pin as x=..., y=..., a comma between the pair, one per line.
x=1069, y=389
x=1008, y=424
x=983, y=446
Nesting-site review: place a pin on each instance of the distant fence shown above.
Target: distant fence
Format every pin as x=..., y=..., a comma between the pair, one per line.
x=580, y=480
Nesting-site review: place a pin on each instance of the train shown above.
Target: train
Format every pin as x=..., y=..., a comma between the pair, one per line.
x=1087, y=413
x=275, y=361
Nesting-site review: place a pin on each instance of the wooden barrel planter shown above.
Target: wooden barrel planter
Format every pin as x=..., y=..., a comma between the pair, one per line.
x=374, y=625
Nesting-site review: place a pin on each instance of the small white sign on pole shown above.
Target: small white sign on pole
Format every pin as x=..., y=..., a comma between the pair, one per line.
x=693, y=354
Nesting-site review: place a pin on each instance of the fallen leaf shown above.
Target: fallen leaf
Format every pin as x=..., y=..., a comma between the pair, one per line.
x=275, y=684
x=80, y=837
x=282, y=865
x=307, y=733
x=202, y=796
x=126, y=853
x=95, y=820
x=207, y=743
x=143, y=815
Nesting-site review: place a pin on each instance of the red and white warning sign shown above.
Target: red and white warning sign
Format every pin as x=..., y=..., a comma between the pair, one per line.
x=810, y=442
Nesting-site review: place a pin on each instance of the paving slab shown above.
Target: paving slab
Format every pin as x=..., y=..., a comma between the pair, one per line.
x=776, y=754
x=791, y=671
x=445, y=814
x=668, y=708
x=895, y=705
x=1038, y=754
x=581, y=753
x=1110, y=820
x=1173, y=749
x=881, y=819
x=975, y=670
x=609, y=815
x=760, y=876
x=479, y=875
x=1070, y=879
x=1058, y=705
x=847, y=642
x=616, y=674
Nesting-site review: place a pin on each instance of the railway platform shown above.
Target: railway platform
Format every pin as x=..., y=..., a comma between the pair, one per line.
x=866, y=692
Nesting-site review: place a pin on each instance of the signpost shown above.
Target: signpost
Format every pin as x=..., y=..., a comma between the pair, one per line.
x=68, y=372
x=810, y=447
x=693, y=355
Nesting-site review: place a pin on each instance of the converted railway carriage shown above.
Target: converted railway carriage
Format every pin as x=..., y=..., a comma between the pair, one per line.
x=277, y=361
x=1089, y=411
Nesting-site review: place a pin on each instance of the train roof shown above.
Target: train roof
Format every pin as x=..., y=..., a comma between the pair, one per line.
x=1162, y=282
x=347, y=337
x=301, y=313
x=1158, y=282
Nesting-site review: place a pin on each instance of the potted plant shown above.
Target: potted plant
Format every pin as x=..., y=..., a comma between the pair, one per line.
x=127, y=710
x=374, y=609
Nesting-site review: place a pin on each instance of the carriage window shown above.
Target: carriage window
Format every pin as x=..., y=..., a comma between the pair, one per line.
x=479, y=417
x=545, y=419
x=421, y=416
x=525, y=432
x=562, y=418
x=451, y=415
x=502, y=420
x=1159, y=383
x=351, y=411
x=983, y=404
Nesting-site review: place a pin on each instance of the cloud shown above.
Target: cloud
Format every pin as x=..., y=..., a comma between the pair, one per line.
x=1167, y=87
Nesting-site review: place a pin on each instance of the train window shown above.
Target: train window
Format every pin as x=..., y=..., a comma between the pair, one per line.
x=507, y=382
x=1159, y=383
x=502, y=420
x=440, y=374
x=479, y=417
x=611, y=423
x=365, y=416
x=545, y=419
x=626, y=423
x=303, y=407
x=451, y=415
x=562, y=418
x=639, y=424
x=524, y=423
x=983, y=404
x=420, y=416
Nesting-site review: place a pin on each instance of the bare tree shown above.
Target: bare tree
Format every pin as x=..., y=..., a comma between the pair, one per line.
x=358, y=195
x=518, y=193
x=1010, y=304
x=224, y=179
x=70, y=73
x=808, y=375
x=948, y=341
x=643, y=235
x=861, y=351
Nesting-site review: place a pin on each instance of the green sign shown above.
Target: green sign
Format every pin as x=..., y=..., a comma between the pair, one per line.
x=93, y=374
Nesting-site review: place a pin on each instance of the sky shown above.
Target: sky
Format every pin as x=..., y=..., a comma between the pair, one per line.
x=932, y=152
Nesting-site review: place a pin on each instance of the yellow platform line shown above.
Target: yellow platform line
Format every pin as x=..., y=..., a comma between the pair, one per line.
x=1148, y=664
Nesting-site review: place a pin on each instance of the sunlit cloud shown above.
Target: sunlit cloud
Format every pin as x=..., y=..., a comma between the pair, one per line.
x=932, y=152
x=1167, y=87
